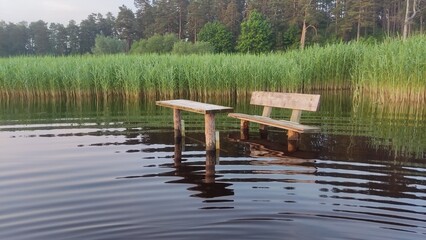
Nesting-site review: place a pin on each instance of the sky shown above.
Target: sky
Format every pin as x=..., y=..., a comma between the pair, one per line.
x=57, y=11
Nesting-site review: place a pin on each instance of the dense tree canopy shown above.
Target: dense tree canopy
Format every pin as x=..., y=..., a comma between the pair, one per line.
x=304, y=21
x=218, y=36
x=256, y=34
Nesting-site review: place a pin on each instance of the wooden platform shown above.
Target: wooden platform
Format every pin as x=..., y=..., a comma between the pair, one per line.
x=193, y=106
x=209, y=111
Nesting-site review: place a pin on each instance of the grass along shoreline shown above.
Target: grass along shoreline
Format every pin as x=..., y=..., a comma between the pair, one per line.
x=389, y=71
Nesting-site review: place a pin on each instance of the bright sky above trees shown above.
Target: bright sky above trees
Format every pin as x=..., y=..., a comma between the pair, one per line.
x=57, y=11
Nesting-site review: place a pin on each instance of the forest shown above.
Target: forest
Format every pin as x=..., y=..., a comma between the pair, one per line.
x=289, y=24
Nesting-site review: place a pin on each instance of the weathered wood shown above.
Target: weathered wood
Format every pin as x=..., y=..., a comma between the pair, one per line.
x=209, y=124
x=217, y=135
x=177, y=123
x=283, y=124
x=295, y=101
x=292, y=141
x=267, y=111
x=210, y=166
x=306, y=102
x=192, y=106
x=209, y=110
x=293, y=137
x=244, y=132
x=295, y=116
x=263, y=129
x=178, y=152
x=182, y=123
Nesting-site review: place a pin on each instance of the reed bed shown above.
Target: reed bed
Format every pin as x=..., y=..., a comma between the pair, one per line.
x=393, y=70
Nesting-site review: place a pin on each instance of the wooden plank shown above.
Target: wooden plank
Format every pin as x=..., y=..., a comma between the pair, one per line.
x=307, y=102
x=292, y=126
x=192, y=106
x=295, y=116
x=263, y=128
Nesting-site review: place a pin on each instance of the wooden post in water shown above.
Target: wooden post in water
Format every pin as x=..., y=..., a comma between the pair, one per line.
x=292, y=141
x=217, y=140
x=209, y=125
x=244, y=132
x=177, y=125
x=210, y=166
x=293, y=137
x=183, y=128
x=263, y=129
x=178, y=152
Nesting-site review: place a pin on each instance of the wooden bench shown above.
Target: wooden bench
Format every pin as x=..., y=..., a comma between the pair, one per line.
x=295, y=101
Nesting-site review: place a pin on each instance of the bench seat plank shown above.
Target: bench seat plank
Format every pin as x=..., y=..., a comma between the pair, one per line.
x=283, y=124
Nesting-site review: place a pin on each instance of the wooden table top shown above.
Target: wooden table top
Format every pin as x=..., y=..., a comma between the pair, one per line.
x=193, y=106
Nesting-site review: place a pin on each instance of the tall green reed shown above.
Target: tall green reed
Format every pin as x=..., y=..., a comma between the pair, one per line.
x=392, y=70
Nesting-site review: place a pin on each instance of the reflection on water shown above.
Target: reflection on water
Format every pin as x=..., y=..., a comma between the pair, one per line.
x=111, y=171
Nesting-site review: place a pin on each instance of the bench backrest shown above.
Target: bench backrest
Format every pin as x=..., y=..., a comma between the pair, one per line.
x=297, y=101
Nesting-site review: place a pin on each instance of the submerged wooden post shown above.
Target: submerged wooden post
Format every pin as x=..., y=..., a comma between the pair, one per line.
x=263, y=129
x=217, y=140
x=177, y=123
x=178, y=152
x=293, y=137
x=183, y=128
x=244, y=132
x=292, y=141
x=210, y=166
x=209, y=124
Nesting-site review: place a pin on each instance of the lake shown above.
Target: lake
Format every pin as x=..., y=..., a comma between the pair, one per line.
x=106, y=170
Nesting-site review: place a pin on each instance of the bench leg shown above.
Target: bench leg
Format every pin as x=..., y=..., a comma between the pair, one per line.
x=210, y=166
x=178, y=152
x=210, y=132
x=177, y=125
x=244, y=131
x=292, y=141
x=263, y=131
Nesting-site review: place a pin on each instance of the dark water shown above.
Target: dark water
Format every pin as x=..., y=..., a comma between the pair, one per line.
x=87, y=170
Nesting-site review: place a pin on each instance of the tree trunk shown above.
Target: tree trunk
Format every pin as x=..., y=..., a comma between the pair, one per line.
x=388, y=22
x=408, y=17
x=303, y=37
x=407, y=12
x=358, y=28
x=337, y=16
x=180, y=24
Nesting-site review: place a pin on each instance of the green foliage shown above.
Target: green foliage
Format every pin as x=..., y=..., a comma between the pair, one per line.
x=291, y=37
x=185, y=48
x=218, y=36
x=391, y=71
x=256, y=34
x=155, y=44
x=39, y=34
x=125, y=25
x=108, y=45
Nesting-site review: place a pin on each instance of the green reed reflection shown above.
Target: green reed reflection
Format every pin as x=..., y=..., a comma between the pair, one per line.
x=397, y=128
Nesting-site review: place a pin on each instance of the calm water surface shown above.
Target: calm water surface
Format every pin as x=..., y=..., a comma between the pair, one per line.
x=87, y=170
